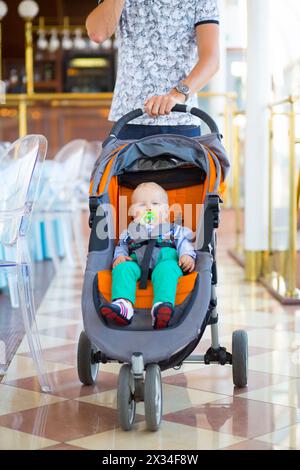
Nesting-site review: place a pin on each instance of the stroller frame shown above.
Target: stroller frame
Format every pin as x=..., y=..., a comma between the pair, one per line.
x=140, y=377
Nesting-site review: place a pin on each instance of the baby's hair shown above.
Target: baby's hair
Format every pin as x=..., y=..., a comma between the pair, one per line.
x=155, y=187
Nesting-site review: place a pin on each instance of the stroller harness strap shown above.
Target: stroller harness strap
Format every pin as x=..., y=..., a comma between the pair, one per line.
x=146, y=263
x=134, y=245
x=151, y=244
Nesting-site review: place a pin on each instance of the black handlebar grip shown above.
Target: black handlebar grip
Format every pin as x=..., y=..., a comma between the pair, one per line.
x=178, y=108
x=124, y=120
x=183, y=108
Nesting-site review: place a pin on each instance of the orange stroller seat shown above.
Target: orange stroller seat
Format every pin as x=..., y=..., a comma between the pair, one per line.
x=144, y=297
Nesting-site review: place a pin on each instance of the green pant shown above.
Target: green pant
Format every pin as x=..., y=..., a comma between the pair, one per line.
x=164, y=278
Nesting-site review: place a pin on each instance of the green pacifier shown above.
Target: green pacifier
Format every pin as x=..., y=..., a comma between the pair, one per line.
x=148, y=218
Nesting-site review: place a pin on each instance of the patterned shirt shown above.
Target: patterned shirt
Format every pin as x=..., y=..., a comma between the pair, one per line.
x=156, y=49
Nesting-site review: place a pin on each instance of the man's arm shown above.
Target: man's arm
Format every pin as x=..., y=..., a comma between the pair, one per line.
x=103, y=20
x=206, y=67
x=209, y=57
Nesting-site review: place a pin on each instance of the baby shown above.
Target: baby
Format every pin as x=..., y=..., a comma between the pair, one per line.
x=150, y=242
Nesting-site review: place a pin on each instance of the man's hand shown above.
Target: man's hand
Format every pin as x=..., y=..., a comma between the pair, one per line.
x=121, y=259
x=162, y=105
x=187, y=263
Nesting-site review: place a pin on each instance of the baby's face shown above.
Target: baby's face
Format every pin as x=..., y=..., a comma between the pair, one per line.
x=149, y=202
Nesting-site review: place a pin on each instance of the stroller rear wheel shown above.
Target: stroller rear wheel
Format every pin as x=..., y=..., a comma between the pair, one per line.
x=86, y=366
x=240, y=358
x=125, y=398
x=153, y=397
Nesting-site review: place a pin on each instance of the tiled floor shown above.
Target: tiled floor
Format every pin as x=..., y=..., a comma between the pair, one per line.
x=202, y=410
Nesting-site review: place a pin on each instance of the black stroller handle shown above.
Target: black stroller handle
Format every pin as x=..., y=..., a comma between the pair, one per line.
x=178, y=108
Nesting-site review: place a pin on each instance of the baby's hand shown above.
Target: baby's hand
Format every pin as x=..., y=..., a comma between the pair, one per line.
x=187, y=263
x=121, y=259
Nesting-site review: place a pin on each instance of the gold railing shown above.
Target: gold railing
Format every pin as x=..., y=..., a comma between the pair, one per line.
x=82, y=99
x=281, y=275
x=277, y=269
x=237, y=162
x=23, y=101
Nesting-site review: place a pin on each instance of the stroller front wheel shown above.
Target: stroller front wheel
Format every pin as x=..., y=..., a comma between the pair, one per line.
x=240, y=358
x=125, y=398
x=86, y=366
x=153, y=397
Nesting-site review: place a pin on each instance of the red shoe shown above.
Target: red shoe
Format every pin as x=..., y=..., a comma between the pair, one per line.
x=120, y=312
x=161, y=315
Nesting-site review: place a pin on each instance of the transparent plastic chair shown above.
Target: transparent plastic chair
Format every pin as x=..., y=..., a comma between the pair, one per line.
x=59, y=201
x=3, y=146
x=91, y=155
x=20, y=172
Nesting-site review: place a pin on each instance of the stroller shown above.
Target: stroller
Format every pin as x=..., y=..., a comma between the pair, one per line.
x=193, y=172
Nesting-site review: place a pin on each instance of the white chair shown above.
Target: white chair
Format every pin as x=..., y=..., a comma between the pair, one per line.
x=20, y=171
x=3, y=146
x=91, y=155
x=59, y=201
